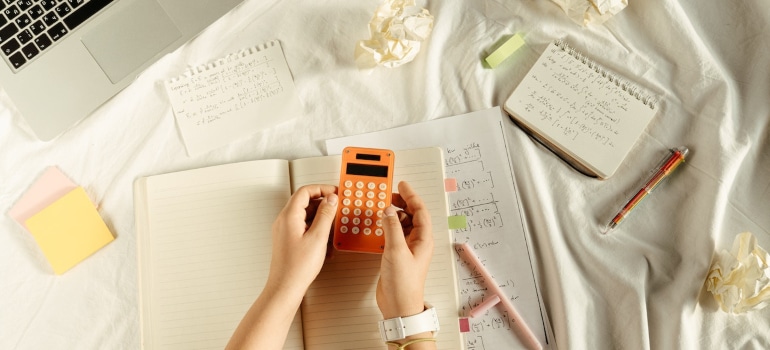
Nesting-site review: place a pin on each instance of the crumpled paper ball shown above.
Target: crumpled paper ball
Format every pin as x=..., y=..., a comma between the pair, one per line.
x=597, y=12
x=740, y=279
x=397, y=29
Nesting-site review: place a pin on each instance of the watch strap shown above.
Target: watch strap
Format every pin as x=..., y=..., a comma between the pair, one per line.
x=401, y=327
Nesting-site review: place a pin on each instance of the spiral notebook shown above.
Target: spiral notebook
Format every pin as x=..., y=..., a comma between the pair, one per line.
x=233, y=97
x=584, y=113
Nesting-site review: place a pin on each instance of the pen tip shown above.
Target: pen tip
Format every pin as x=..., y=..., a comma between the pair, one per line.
x=609, y=227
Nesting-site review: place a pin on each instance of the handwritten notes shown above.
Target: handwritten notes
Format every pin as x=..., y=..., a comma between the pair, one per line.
x=476, y=157
x=572, y=103
x=233, y=97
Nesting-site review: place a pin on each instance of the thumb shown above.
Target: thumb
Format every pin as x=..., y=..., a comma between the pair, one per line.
x=394, y=233
x=324, y=215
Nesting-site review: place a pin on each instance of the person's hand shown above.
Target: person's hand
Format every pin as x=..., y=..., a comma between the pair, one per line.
x=408, y=251
x=300, y=235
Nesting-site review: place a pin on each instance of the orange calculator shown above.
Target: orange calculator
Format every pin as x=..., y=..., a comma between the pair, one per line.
x=366, y=185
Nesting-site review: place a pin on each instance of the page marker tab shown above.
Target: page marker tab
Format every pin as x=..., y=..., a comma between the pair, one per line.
x=465, y=325
x=450, y=185
x=504, y=51
x=457, y=222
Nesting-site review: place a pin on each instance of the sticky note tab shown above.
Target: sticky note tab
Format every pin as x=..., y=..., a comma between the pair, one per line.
x=49, y=187
x=457, y=222
x=69, y=230
x=450, y=185
x=465, y=325
x=504, y=51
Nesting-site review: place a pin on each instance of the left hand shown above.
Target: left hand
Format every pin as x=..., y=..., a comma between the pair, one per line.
x=300, y=235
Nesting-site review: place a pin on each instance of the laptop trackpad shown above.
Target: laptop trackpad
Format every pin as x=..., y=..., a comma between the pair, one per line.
x=129, y=37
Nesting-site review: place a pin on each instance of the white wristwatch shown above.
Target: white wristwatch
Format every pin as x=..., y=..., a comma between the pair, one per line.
x=401, y=327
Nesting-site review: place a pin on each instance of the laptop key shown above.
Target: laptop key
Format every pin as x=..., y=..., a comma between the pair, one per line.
x=8, y=32
x=17, y=59
x=75, y=3
x=82, y=13
x=24, y=36
x=57, y=31
x=24, y=4
x=30, y=51
x=36, y=11
x=62, y=10
x=37, y=27
x=23, y=20
x=11, y=46
x=48, y=4
x=11, y=12
x=50, y=18
x=43, y=42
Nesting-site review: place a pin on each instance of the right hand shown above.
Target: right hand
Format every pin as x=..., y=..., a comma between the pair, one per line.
x=406, y=257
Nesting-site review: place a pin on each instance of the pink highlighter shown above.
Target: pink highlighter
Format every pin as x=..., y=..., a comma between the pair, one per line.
x=520, y=328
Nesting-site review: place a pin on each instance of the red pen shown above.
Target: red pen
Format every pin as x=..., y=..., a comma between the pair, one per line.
x=669, y=164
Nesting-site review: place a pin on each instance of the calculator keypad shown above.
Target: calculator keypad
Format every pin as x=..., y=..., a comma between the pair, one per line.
x=363, y=203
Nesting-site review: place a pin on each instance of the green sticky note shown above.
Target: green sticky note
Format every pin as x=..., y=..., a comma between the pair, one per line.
x=504, y=51
x=457, y=222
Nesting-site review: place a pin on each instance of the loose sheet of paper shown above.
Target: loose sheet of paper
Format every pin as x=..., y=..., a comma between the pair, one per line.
x=476, y=156
x=233, y=97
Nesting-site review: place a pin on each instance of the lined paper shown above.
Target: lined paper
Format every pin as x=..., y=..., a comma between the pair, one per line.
x=205, y=251
x=339, y=310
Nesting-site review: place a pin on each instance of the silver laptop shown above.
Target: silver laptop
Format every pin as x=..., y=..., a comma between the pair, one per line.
x=64, y=58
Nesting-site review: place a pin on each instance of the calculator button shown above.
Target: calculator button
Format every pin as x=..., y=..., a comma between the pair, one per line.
x=379, y=213
x=357, y=212
x=370, y=194
x=358, y=202
x=347, y=193
x=371, y=185
x=344, y=220
x=383, y=187
x=367, y=222
x=381, y=195
x=369, y=204
x=354, y=230
x=346, y=202
x=348, y=183
x=344, y=229
x=360, y=184
x=359, y=194
x=378, y=223
x=345, y=211
x=367, y=231
x=378, y=232
x=381, y=205
x=369, y=212
x=356, y=221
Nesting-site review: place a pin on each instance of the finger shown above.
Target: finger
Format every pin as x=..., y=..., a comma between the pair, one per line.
x=394, y=234
x=397, y=201
x=324, y=217
x=301, y=198
x=421, y=236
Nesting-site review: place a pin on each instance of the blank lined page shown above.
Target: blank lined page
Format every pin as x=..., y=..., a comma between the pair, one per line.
x=204, y=249
x=339, y=310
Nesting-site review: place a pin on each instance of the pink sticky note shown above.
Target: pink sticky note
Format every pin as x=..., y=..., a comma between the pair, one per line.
x=465, y=326
x=450, y=185
x=48, y=188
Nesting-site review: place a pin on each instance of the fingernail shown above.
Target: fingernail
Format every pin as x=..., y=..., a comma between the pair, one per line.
x=390, y=211
x=332, y=199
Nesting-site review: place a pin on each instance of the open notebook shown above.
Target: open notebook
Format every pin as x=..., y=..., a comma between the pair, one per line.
x=204, y=248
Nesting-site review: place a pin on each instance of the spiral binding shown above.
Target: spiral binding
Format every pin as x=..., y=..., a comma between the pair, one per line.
x=622, y=83
x=224, y=60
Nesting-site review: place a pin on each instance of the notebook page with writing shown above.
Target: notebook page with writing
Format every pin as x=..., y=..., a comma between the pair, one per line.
x=339, y=310
x=204, y=246
x=580, y=110
x=475, y=154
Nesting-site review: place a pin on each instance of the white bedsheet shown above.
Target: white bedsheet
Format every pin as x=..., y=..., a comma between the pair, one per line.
x=641, y=287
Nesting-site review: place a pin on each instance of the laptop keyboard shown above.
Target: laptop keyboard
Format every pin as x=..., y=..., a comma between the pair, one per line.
x=29, y=27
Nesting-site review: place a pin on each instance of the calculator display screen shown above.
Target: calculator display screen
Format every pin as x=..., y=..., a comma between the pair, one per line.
x=367, y=170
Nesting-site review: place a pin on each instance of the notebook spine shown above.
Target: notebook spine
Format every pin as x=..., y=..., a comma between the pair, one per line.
x=224, y=60
x=620, y=82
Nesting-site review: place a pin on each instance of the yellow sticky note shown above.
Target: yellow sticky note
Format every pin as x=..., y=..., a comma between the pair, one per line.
x=69, y=230
x=506, y=49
